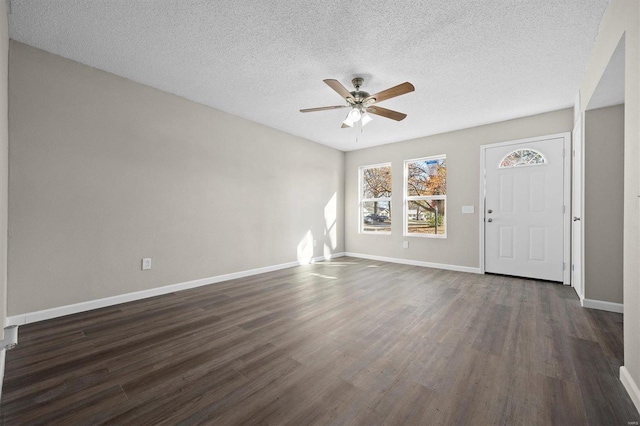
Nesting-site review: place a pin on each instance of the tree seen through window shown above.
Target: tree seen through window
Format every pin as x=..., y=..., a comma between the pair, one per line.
x=375, y=199
x=426, y=190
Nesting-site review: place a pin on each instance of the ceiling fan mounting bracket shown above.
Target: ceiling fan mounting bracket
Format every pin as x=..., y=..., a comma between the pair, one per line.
x=357, y=82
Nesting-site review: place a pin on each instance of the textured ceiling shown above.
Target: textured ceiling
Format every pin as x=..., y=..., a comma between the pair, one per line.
x=472, y=61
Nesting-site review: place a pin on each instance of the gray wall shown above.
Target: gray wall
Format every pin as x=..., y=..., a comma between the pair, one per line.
x=622, y=18
x=461, y=247
x=105, y=171
x=604, y=198
x=4, y=161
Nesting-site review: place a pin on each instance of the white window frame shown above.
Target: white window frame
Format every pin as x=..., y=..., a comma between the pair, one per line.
x=362, y=200
x=544, y=159
x=407, y=198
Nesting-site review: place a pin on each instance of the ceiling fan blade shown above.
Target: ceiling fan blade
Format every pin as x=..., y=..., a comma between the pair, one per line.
x=394, y=115
x=398, y=90
x=344, y=126
x=340, y=89
x=323, y=108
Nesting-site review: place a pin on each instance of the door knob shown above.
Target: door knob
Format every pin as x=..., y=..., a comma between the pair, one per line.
x=575, y=218
x=489, y=211
x=489, y=220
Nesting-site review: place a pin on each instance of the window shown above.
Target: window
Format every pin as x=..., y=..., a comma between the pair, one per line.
x=426, y=197
x=375, y=199
x=522, y=157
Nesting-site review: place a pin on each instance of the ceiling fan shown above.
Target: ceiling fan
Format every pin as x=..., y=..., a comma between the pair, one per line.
x=362, y=103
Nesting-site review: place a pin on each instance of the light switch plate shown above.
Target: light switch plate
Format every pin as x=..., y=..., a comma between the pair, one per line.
x=467, y=209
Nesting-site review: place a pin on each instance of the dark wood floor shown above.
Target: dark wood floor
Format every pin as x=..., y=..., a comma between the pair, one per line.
x=346, y=341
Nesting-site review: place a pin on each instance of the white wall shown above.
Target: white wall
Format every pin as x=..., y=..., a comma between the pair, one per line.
x=461, y=247
x=105, y=171
x=622, y=18
x=604, y=200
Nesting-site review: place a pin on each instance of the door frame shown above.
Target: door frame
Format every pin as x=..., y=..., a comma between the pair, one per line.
x=578, y=174
x=566, y=193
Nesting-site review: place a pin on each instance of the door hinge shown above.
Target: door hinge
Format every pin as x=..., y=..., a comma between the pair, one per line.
x=563, y=266
x=564, y=209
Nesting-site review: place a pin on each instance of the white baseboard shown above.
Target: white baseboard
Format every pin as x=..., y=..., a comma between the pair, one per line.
x=416, y=263
x=602, y=305
x=75, y=308
x=630, y=385
x=327, y=257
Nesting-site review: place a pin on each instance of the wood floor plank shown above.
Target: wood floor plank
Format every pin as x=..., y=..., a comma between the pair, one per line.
x=602, y=393
x=347, y=341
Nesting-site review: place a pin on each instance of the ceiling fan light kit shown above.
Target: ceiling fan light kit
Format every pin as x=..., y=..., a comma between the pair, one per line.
x=353, y=117
x=361, y=102
x=366, y=118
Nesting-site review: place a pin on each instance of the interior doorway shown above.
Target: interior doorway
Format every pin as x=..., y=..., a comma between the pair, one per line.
x=598, y=170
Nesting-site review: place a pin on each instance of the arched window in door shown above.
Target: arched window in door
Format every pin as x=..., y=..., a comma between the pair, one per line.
x=522, y=157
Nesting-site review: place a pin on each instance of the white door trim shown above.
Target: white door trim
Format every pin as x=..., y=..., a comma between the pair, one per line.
x=566, y=150
x=579, y=128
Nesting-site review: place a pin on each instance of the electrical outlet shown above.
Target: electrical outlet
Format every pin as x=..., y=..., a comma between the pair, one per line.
x=405, y=244
x=146, y=263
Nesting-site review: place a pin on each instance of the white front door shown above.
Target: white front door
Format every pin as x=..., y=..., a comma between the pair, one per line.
x=524, y=217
